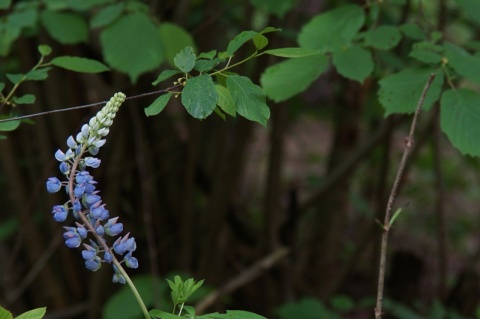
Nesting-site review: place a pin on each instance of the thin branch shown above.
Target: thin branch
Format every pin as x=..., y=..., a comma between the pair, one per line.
x=86, y=105
x=409, y=141
x=242, y=279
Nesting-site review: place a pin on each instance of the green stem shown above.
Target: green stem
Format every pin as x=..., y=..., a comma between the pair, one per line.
x=100, y=239
x=254, y=55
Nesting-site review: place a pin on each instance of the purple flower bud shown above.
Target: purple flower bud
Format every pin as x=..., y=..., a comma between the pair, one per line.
x=64, y=167
x=59, y=213
x=71, y=142
x=119, y=246
x=94, y=264
x=77, y=207
x=79, y=190
x=83, y=177
x=130, y=261
x=118, y=278
x=60, y=156
x=91, y=199
x=89, y=254
x=53, y=185
x=108, y=258
x=99, y=213
x=92, y=162
x=100, y=230
x=114, y=230
x=82, y=231
x=130, y=244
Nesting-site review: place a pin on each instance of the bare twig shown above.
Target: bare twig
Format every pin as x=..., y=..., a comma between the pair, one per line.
x=409, y=141
x=245, y=277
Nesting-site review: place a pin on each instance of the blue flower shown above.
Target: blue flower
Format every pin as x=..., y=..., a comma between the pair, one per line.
x=108, y=258
x=53, y=185
x=72, y=238
x=118, y=278
x=130, y=261
x=59, y=213
x=60, y=156
x=93, y=264
x=92, y=162
x=99, y=213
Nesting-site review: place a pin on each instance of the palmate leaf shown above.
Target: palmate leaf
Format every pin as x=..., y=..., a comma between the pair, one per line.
x=199, y=96
x=249, y=99
x=400, y=92
x=459, y=118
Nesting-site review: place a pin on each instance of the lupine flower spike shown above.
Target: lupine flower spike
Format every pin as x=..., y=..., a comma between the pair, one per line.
x=93, y=223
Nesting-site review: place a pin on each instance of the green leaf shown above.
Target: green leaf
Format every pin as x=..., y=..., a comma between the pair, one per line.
x=459, y=118
x=463, y=62
x=5, y=4
x=333, y=29
x=306, y=308
x=199, y=96
x=354, y=63
x=384, y=37
x=24, y=99
x=65, y=27
x=33, y=314
x=231, y=314
x=132, y=45
x=225, y=100
x=174, y=38
x=293, y=52
x=260, y=41
x=207, y=55
x=426, y=56
x=2, y=86
x=400, y=92
x=158, y=105
x=4, y=313
x=8, y=35
x=471, y=8
x=283, y=80
x=413, y=31
x=44, y=49
x=26, y=18
x=78, y=64
x=239, y=40
x=156, y=313
x=206, y=65
x=8, y=126
x=275, y=7
x=107, y=15
x=269, y=29
x=84, y=5
x=14, y=78
x=249, y=99
x=185, y=59
x=165, y=75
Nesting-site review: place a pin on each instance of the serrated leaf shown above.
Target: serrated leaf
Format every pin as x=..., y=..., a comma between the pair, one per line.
x=293, y=52
x=65, y=27
x=249, y=99
x=158, y=105
x=33, y=314
x=400, y=92
x=225, y=100
x=24, y=99
x=384, y=37
x=4, y=313
x=44, y=49
x=333, y=29
x=132, y=45
x=165, y=75
x=426, y=56
x=38, y=74
x=260, y=41
x=107, y=15
x=185, y=59
x=199, y=96
x=283, y=80
x=78, y=64
x=354, y=63
x=239, y=40
x=463, y=62
x=174, y=38
x=206, y=65
x=459, y=118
